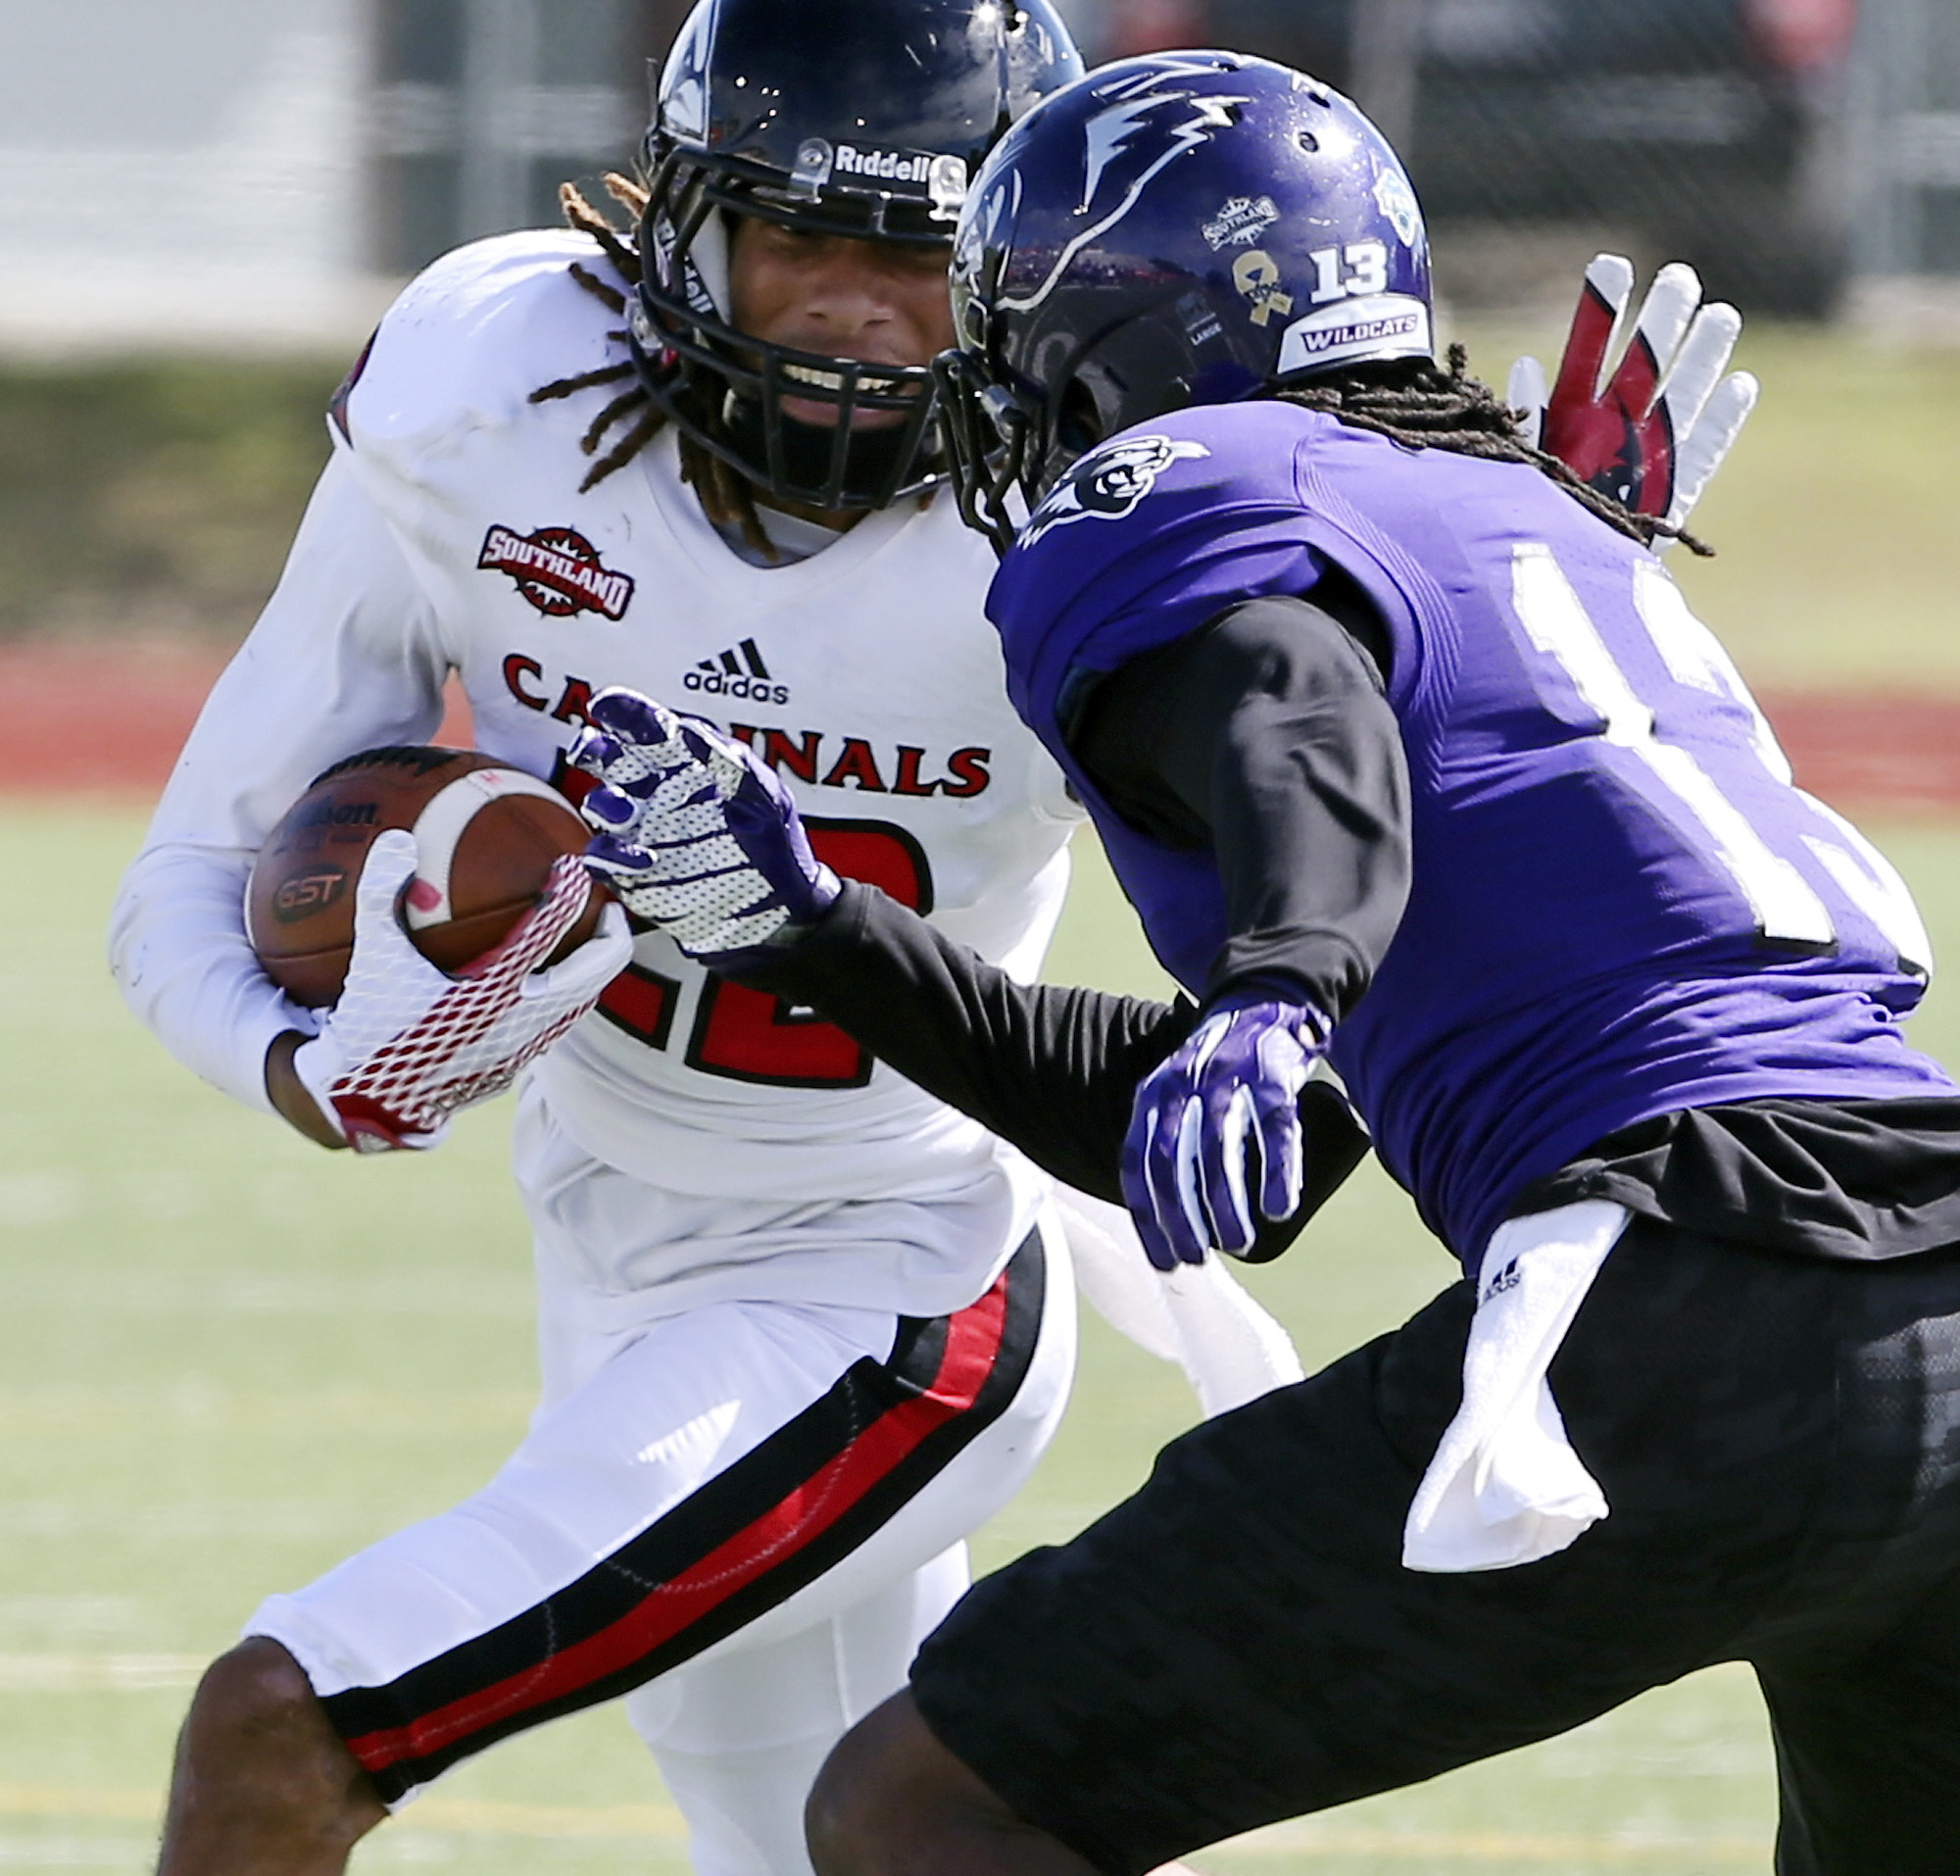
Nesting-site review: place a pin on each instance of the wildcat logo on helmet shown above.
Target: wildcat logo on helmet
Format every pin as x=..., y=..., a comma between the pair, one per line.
x=1241, y=221
x=1108, y=484
x=557, y=570
x=1180, y=118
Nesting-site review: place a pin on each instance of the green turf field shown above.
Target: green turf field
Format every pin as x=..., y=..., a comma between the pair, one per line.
x=227, y=1359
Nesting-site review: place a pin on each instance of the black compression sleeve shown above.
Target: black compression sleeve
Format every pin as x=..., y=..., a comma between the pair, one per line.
x=1052, y=1069
x=1265, y=737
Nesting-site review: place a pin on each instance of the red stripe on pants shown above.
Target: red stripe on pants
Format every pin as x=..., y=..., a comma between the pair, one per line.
x=972, y=1344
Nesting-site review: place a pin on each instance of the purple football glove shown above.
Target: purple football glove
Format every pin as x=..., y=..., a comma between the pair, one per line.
x=1236, y=1079
x=695, y=834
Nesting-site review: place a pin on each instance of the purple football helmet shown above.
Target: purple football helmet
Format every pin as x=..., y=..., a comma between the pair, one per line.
x=1191, y=228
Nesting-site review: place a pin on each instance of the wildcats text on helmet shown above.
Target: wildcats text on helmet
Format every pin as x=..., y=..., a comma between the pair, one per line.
x=1358, y=329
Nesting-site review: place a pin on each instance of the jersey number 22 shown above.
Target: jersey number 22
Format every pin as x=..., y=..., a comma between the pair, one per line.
x=748, y=1035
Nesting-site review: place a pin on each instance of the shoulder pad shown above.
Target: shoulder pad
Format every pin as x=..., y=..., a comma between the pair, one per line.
x=1156, y=532
x=1151, y=477
x=470, y=338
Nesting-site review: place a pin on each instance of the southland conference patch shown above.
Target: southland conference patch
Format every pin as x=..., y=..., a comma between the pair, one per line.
x=557, y=570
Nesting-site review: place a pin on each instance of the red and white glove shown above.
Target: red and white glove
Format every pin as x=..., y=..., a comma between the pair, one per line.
x=407, y=1045
x=1652, y=434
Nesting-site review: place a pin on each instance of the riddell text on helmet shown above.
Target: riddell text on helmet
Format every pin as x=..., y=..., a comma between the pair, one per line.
x=890, y=165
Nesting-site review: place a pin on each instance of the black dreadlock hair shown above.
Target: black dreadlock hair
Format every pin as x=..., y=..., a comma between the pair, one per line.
x=1410, y=401
x=724, y=494
x=1414, y=403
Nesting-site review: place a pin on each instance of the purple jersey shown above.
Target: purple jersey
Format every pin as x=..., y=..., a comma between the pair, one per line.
x=1620, y=906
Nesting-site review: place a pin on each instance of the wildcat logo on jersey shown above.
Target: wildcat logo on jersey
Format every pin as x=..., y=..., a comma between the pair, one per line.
x=557, y=570
x=1108, y=484
x=1152, y=100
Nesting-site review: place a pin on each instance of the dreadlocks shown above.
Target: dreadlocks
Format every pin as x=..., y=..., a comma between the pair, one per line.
x=1413, y=403
x=724, y=494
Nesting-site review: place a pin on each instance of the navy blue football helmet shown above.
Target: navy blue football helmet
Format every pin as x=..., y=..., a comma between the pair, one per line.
x=1190, y=228
x=867, y=120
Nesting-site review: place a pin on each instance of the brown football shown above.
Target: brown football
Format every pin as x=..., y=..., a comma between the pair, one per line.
x=486, y=835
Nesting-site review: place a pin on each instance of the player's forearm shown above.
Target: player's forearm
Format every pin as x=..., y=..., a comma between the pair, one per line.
x=178, y=954
x=344, y=657
x=1052, y=1069
x=1311, y=820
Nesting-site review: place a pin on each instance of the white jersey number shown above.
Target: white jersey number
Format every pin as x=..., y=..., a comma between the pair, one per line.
x=1787, y=909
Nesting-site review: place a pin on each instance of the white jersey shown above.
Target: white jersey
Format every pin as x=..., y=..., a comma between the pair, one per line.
x=447, y=535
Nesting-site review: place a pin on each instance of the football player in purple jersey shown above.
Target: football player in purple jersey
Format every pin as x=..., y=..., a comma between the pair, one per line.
x=1414, y=762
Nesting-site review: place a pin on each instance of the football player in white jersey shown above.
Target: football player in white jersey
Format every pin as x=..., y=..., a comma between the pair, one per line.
x=802, y=1328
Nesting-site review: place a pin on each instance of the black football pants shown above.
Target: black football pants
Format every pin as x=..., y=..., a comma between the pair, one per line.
x=1779, y=1441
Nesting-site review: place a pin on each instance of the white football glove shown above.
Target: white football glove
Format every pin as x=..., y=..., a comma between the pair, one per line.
x=695, y=833
x=406, y=1045
x=1652, y=434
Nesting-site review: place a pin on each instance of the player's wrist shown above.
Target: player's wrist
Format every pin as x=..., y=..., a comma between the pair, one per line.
x=291, y=1098
x=825, y=890
x=1275, y=987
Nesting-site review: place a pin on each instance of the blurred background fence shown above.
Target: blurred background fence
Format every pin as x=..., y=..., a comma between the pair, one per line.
x=256, y=170
x=1790, y=149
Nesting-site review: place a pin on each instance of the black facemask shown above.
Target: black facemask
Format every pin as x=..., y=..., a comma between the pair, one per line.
x=871, y=458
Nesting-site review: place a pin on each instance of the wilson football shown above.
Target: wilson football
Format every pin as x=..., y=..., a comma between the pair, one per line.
x=485, y=833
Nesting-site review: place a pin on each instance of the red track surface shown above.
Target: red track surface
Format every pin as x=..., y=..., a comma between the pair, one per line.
x=109, y=723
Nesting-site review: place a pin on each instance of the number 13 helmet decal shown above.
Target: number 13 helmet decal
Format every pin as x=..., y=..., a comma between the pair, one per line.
x=1184, y=229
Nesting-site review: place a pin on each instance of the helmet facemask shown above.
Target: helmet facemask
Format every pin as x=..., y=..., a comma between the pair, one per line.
x=991, y=446
x=725, y=388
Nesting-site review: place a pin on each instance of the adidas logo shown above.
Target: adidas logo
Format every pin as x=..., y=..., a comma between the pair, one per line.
x=740, y=673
